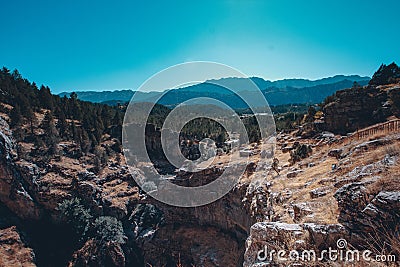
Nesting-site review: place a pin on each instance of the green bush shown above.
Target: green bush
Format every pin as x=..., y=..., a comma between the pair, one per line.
x=75, y=214
x=106, y=229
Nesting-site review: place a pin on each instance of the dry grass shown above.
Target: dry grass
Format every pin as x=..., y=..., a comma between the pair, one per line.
x=384, y=242
x=388, y=182
x=325, y=209
x=392, y=150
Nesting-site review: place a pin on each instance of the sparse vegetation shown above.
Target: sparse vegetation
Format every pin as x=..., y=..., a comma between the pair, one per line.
x=108, y=229
x=76, y=215
x=103, y=229
x=300, y=151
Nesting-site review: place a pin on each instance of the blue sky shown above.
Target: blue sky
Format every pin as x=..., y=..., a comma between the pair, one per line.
x=107, y=45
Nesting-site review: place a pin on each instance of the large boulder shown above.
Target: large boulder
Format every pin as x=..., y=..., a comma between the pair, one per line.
x=370, y=218
x=265, y=237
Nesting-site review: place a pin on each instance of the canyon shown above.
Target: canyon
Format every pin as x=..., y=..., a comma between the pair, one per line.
x=324, y=187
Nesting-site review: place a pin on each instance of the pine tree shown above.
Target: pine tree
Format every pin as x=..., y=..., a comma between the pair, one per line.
x=62, y=125
x=51, y=136
x=106, y=116
x=117, y=120
x=30, y=115
x=48, y=124
x=45, y=98
x=85, y=142
x=74, y=131
x=15, y=116
x=75, y=107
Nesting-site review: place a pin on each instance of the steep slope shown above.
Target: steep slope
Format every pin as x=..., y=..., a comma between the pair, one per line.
x=347, y=189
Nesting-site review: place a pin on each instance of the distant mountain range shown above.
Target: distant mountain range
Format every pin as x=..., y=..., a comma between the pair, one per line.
x=287, y=91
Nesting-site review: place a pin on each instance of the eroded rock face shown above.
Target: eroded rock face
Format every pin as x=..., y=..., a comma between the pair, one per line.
x=92, y=254
x=14, y=186
x=13, y=252
x=300, y=210
x=359, y=107
x=365, y=215
x=356, y=108
x=211, y=235
x=368, y=218
x=193, y=244
x=265, y=237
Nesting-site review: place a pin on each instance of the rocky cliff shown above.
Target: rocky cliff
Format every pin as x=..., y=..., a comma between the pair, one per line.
x=157, y=234
x=363, y=181
x=357, y=107
x=17, y=178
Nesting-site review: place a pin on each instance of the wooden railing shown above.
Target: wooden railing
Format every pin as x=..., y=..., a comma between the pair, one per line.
x=381, y=128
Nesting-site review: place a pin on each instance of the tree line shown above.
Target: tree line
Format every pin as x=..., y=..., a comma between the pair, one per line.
x=66, y=118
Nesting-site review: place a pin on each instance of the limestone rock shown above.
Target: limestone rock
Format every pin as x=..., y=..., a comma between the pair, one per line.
x=293, y=174
x=282, y=236
x=300, y=210
x=319, y=192
x=356, y=108
x=364, y=214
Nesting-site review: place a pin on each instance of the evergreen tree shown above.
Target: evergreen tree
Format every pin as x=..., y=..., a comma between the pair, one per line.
x=16, y=75
x=30, y=115
x=117, y=120
x=51, y=136
x=75, y=107
x=62, y=125
x=85, y=142
x=74, y=131
x=75, y=214
x=105, y=116
x=45, y=98
x=15, y=116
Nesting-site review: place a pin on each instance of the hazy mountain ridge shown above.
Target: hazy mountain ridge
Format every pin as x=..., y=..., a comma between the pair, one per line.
x=279, y=92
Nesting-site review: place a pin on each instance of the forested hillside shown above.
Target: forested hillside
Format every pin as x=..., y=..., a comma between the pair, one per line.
x=64, y=118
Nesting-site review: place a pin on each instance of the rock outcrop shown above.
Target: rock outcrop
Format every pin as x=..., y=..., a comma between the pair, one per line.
x=359, y=107
x=370, y=219
x=91, y=254
x=15, y=187
x=210, y=235
x=13, y=251
x=267, y=236
x=356, y=108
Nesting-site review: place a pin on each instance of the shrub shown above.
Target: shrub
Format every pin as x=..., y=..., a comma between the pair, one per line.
x=108, y=229
x=300, y=151
x=76, y=215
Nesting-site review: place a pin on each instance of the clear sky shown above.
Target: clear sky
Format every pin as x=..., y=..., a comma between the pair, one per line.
x=107, y=45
